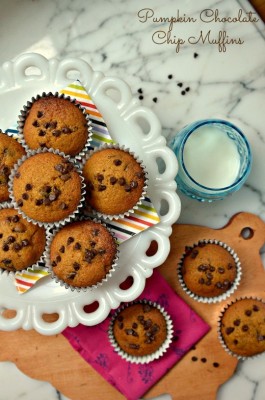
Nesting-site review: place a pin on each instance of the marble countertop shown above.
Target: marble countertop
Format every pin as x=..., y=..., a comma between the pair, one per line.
x=178, y=71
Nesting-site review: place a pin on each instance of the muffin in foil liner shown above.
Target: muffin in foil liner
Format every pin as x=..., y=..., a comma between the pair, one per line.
x=229, y=291
x=89, y=210
x=150, y=357
x=47, y=257
x=26, y=109
x=58, y=223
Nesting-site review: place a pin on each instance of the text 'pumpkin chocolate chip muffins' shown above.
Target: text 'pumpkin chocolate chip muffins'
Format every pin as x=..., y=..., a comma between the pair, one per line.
x=22, y=243
x=241, y=327
x=46, y=187
x=141, y=331
x=82, y=254
x=55, y=121
x=116, y=181
x=10, y=152
x=209, y=271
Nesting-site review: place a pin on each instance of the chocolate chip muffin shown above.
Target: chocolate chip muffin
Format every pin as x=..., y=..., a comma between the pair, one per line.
x=10, y=152
x=82, y=253
x=242, y=327
x=47, y=187
x=21, y=242
x=115, y=181
x=55, y=122
x=209, y=269
x=139, y=330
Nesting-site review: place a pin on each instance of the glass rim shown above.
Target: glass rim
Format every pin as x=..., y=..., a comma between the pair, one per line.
x=197, y=125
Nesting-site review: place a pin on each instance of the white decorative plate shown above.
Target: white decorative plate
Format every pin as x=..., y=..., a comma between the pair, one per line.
x=130, y=124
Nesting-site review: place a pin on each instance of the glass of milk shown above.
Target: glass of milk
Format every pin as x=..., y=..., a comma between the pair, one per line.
x=214, y=159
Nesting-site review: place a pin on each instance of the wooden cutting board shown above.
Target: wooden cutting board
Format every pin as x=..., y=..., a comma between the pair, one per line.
x=52, y=359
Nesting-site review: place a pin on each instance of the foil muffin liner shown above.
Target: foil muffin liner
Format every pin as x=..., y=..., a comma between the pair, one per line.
x=47, y=257
x=89, y=210
x=223, y=296
x=38, y=264
x=26, y=108
x=219, y=322
x=47, y=225
x=148, y=358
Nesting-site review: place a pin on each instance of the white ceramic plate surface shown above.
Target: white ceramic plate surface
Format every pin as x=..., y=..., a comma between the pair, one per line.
x=130, y=124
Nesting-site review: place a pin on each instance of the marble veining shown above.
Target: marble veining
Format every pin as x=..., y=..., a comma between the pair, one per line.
x=195, y=83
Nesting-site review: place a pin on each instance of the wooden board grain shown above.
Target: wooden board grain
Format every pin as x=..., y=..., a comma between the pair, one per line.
x=52, y=358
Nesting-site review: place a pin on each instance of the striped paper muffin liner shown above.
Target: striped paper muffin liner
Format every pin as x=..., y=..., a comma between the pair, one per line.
x=25, y=111
x=219, y=325
x=223, y=296
x=47, y=257
x=89, y=210
x=58, y=223
x=148, y=358
x=38, y=265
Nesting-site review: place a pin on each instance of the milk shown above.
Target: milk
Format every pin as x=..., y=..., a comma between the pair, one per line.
x=211, y=157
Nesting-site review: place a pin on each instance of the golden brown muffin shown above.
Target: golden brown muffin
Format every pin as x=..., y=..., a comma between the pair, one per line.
x=82, y=253
x=10, y=152
x=140, y=329
x=47, y=187
x=208, y=270
x=243, y=327
x=21, y=242
x=56, y=123
x=115, y=181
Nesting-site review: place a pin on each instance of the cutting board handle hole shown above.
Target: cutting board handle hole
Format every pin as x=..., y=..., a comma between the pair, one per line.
x=247, y=233
x=127, y=283
x=152, y=249
x=90, y=308
x=50, y=318
x=8, y=314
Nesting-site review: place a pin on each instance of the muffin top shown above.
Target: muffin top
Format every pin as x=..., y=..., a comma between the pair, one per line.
x=57, y=123
x=10, y=152
x=82, y=253
x=47, y=187
x=21, y=242
x=243, y=327
x=114, y=180
x=208, y=269
x=140, y=329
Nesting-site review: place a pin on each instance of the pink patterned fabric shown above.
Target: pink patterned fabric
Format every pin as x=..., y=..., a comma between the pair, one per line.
x=134, y=380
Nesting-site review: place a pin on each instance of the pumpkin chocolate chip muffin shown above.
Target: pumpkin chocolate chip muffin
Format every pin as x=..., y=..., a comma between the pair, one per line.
x=242, y=327
x=47, y=187
x=55, y=122
x=10, y=152
x=21, y=242
x=209, y=269
x=140, y=331
x=82, y=253
x=115, y=181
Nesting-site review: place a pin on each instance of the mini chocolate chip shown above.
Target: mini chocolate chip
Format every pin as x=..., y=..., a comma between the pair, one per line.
x=56, y=133
x=194, y=253
x=248, y=313
x=180, y=84
x=70, y=240
x=25, y=196
x=54, y=264
x=42, y=133
x=218, y=285
x=113, y=180
x=28, y=187
x=140, y=90
x=66, y=129
x=1, y=235
x=62, y=249
x=195, y=55
x=42, y=144
x=120, y=318
x=6, y=261
x=71, y=275
x=230, y=266
x=46, y=201
x=209, y=275
x=20, y=203
x=237, y=322
x=92, y=244
x=25, y=242
x=221, y=270
x=134, y=325
x=39, y=202
x=187, y=89
x=117, y=162
x=202, y=267
x=134, y=184
x=183, y=92
x=212, y=269
x=140, y=318
x=245, y=328
x=201, y=281
x=147, y=324
x=11, y=239
x=155, y=99
x=35, y=123
x=76, y=266
x=15, y=218
x=5, y=247
x=100, y=177
x=194, y=358
x=101, y=188
x=134, y=346
x=77, y=246
x=235, y=341
x=47, y=189
x=203, y=360
x=120, y=325
x=39, y=114
x=17, y=247
x=53, y=124
x=65, y=177
x=17, y=174
x=127, y=188
x=216, y=364
x=58, y=259
x=255, y=308
x=208, y=283
x=121, y=181
x=146, y=308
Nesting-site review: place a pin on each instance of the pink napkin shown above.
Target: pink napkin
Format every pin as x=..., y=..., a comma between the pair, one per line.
x=131, y=379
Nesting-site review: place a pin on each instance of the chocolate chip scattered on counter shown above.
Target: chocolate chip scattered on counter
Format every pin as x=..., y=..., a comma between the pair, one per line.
x=187, y=89
x=155, y=99
x=140, y=90
x=183, y=92
x=180, y=84
x=170, y=76
x=141, y=97
x=195, y=55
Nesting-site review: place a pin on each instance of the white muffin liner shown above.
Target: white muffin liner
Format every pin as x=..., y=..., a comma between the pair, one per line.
x=47, y=257
x=222, y=296
x=98, y=214
x=26, y=108
x=151, y=357
x=47, y=225
x=220, y=337
x=38, y=264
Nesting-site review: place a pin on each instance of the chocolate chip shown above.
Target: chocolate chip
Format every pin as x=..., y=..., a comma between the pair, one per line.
x=113, y=180
x=35, y=123
x=216, y=364
x=76, y=266
x=5, y=247
x=140, y=318
x=100, y=177
x=226, y=282
x=95, y=232
x=248, y=313
x=120, y=318
x=201, y=281
x=202, y=267
x=155, y=99
x=140, y=175
x=121, y=181
x=170, y=76
x=195, y=55
x=53, y=124
x=141, y=97
x=15, y=218
x=230, y=266
x=245, y=328
x=209, y=275
x=25, y=196
x=17, y=247
x=54, y=264
x=187, y=89
x=42, y=144
x=77, y=246
x=120, y=325
x=147, y=324
x=101, y=188
x=194, y=253
x=237, y=322
x=134, y=184
x=17, y=174
x=47, y=189
x=212, y=269
x=146, y=308
x=6, y=261
x=92, y=244
x=66, y=129
x=70, y=240
x=25, y=242
x=20, y=203
x=127, y=188
x=62, y=249
x=11, y=239
x=89, y=255
x=39, y=114
x=39, y=202
x=65, y=177
x=235, y=341
x=56, y=133
x=1, y=235
x=28, y=187
x=117, y=162
x=194, y=358
x=58, y=259
x=134, y=346
x=46, y=201
x=218, y=285
x=221, y=270
x=255, y=308
x=134, y=325
x=208, y=283
x=180, y=84
x=183, y=92
x=71, y=275
x=140, y=90
x=203, y=360
x=41, y=133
